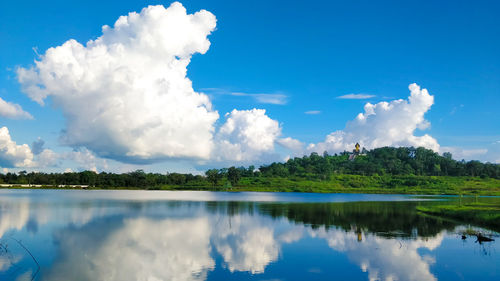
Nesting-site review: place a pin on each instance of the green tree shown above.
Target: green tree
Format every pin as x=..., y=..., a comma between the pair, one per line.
x=233, y=175
x=213, y=176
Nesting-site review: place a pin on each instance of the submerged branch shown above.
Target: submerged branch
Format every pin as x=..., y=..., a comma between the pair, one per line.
x=33, y=257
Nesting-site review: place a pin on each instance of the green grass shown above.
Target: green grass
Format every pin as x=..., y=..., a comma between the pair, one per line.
x=433, y=185
x=482, y=214
x=344, y=183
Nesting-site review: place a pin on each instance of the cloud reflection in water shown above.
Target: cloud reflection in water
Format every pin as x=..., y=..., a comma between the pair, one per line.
x=180, y=240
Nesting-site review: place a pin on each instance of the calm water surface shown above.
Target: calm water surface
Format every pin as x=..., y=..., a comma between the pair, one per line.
x=149, y=235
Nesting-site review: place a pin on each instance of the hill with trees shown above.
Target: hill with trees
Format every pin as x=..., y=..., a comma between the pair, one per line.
x=380, y=161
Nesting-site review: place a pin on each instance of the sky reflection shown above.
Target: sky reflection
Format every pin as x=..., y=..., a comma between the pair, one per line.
x=197, y=240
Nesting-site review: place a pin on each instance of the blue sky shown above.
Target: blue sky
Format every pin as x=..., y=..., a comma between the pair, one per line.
x=305, y=55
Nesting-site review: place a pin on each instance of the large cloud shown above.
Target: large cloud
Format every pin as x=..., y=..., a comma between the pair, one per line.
x=385, y=124
x=12, y=154
x=13, y=111
x=125, y=95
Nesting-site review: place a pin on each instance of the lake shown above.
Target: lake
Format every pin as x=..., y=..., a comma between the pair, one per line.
x=190, y=235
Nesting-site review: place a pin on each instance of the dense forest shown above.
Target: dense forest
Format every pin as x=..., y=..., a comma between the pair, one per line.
x=380, y=162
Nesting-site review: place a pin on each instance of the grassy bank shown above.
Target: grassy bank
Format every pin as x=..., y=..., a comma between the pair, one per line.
x=433, y=185
x=482, y=214
x=387, y=184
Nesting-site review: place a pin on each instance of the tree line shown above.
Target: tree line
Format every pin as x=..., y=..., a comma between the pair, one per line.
x=379, y=161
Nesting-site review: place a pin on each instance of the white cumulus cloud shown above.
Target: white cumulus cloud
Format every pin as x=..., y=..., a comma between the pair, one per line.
x=47, y=158
x=13, y=111
x=125, y=95
x=12, y=154
x=385, y=124
x=86, y=160
x=246, y=135
x=461, y=153
x=291, y=144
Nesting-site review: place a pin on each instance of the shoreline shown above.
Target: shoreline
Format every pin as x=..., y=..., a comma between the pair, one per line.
x=388, y=191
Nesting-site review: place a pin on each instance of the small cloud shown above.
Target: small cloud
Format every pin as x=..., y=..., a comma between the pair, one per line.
x=37, y=146
x=313, y=112
x=86, y=160
x=279, y=99
x=461, y=153
x=356, y=96
x=291, y=144
x=424, y=125
x=314, y=270
x=213, y=90
x=455, y=109
x=48, y=158
x=13, y=111
x=267, y=98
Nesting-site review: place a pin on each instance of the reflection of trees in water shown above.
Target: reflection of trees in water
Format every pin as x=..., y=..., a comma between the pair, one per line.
x=182, y=248
x=387, y=219
x=383, y=218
